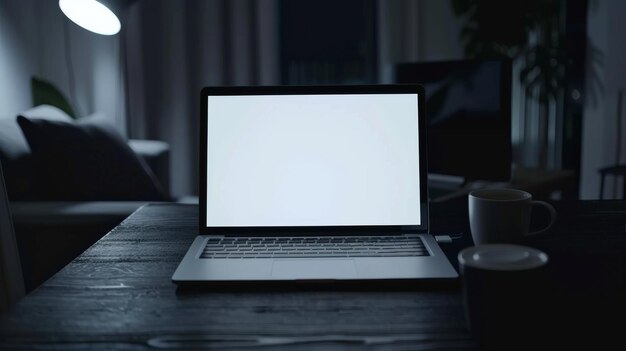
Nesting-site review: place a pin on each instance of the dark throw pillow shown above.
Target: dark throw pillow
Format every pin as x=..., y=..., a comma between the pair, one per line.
x=87, y=161
x=17, y=162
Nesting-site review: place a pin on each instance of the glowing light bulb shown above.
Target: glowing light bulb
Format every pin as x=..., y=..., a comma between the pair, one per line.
x=91, y=15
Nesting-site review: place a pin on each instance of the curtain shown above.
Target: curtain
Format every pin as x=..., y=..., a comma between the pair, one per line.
x=416, y=30
x=173, y=49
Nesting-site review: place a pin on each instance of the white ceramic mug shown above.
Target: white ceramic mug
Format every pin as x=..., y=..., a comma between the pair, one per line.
x=503, y=215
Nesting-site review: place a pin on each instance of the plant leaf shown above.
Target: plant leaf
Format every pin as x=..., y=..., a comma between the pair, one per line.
x=45, y=92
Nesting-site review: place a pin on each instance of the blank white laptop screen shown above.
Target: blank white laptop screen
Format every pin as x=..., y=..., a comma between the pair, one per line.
x=313, y=160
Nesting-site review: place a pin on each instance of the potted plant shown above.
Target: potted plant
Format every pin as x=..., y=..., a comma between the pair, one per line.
x=530, y=32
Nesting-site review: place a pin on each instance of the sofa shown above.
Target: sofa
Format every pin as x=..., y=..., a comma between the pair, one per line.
x=50, y=232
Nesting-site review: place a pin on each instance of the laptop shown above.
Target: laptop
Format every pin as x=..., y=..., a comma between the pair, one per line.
x=325, y=183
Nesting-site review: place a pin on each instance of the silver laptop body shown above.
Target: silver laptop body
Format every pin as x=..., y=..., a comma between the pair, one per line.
x=313, y=183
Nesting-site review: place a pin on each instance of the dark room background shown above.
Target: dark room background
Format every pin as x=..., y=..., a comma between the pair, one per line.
x=148, y=77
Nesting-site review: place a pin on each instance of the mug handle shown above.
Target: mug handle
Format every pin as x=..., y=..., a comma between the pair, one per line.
x=552, y=216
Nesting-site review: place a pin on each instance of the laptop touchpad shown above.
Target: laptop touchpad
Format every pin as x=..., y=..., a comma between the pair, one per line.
x=313, y=269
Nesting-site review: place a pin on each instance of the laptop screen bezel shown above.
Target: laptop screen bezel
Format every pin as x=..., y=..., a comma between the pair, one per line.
x=313, y=90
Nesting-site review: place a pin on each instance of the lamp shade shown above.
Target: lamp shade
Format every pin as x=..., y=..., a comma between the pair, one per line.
x=91, y=15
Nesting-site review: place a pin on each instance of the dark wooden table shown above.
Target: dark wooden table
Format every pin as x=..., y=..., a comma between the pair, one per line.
x=118, y=294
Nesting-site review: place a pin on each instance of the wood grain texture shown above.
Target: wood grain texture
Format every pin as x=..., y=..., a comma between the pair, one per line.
x=118, y=295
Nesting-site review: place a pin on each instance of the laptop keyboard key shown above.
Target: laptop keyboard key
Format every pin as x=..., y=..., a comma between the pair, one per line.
x=362, y=246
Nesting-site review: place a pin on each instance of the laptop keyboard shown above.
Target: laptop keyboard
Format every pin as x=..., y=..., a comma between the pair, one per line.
x=317, y=247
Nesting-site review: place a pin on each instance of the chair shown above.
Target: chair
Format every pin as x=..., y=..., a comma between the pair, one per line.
x=616, y=171
x=11, y=280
